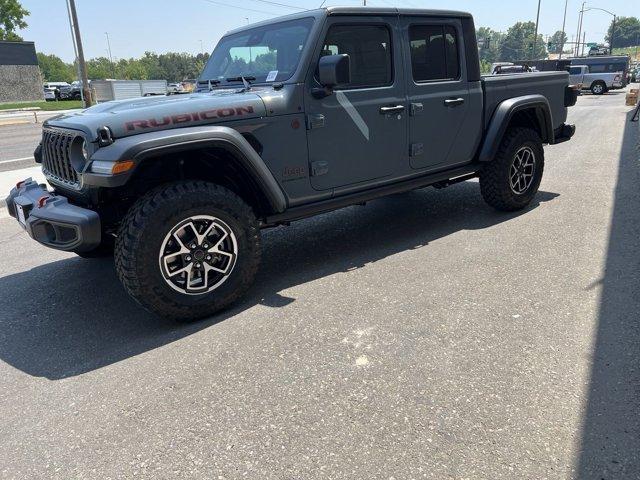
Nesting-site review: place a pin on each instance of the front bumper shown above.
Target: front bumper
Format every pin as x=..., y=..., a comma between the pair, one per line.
x=51, y=220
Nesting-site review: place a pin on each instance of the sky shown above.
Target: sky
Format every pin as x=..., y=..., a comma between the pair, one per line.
x=136, y=26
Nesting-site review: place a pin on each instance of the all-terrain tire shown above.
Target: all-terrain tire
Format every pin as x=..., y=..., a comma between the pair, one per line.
x=495, y=184
x=149, y=222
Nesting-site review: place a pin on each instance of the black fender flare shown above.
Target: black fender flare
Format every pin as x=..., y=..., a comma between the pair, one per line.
x=501, y=119
x=145, y=145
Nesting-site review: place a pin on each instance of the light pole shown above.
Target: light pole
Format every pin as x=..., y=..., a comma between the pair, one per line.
x=579, y=29
x=613, y=26
x=83, y=67
x=564, y=22
x=75, y=52
x=535, y=38
x=113, y=72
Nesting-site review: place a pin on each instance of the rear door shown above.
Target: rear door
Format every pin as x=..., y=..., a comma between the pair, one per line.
x=437, y=91
x=358, y=133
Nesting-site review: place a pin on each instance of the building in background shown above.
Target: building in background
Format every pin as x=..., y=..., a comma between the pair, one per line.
x=20, y=79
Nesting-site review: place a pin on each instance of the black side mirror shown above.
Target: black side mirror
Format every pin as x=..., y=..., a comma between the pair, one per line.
x=333, y=70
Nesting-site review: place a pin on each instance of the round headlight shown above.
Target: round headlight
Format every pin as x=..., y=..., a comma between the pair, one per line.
x=85, y=152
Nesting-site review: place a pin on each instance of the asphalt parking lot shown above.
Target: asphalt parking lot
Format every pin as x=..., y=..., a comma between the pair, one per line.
x=421, y=336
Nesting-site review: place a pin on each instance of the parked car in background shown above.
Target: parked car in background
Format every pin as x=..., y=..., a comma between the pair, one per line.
x=174, y=88
x=598, y=83
x=71, y=92
x=50, y=94
x=606, y=64
x=511, y=69
x=599, y=50
x=54, y=87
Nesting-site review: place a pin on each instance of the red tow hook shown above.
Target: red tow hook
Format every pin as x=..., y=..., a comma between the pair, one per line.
x=42, y=201
x=20, y=183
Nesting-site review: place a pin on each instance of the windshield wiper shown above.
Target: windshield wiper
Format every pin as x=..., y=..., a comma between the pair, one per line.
x=245, y=81
x=211, y=82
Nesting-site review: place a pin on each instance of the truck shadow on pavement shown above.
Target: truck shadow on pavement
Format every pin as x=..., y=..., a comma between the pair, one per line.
x=87, y=321
x=610, y=443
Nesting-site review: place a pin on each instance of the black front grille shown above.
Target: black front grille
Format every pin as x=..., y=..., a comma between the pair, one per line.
x=56, y=155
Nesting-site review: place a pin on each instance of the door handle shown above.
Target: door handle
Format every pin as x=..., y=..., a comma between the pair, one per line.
x=389, y=110
x=452, y=102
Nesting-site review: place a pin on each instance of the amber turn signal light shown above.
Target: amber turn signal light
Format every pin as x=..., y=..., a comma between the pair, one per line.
x=121, y=167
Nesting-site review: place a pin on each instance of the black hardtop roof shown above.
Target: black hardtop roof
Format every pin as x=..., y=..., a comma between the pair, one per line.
x=372, y=11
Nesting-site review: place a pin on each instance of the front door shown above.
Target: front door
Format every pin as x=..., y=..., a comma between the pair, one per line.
x=437, y=91
x=359, y=132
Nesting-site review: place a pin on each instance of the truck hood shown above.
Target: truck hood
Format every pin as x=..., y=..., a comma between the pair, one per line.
x=147, y=114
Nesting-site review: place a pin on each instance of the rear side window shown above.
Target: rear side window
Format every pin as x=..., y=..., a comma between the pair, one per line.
x=574, y=70
x=434, y=52
x=369, y=50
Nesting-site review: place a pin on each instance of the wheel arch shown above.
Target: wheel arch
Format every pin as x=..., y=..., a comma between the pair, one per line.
x=217, y=154
x=530, y=111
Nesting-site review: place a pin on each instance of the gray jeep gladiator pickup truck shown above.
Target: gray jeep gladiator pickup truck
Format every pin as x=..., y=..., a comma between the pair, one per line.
x=292, y=117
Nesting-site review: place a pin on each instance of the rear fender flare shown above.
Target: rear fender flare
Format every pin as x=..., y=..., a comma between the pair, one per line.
x=503, y=115
x=147, y=145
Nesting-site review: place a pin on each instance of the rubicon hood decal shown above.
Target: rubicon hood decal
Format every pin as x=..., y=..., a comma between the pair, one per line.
x=140, y=115
x=182, y=118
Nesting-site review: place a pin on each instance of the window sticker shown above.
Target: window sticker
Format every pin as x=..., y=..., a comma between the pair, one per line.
x=272, y=76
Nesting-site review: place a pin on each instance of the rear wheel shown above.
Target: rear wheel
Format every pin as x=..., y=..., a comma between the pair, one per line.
x=187, y=250
x=598, y=88
x=511, y=180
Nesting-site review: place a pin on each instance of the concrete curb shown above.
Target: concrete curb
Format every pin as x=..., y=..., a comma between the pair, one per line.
x=18, y=110
x=17, y=121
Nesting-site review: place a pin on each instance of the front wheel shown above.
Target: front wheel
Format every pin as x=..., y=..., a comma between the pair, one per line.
x=511, y=180
x=187, y=250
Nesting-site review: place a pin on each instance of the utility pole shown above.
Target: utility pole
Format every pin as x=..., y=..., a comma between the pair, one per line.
x=613, y=34
x=113, y=70
x=579, y=30
x=564, y=23
x=75, y=50
x=584, y=41
x=83, y=67
x=535, y=37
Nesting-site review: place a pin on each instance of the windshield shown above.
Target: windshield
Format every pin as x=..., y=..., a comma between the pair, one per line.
x=264, y=54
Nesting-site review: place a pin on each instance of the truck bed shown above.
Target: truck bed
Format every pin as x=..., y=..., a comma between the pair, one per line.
x=551, y=85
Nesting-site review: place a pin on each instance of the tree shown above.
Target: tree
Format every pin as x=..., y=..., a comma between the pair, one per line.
x=557, y=41
x=627, y=32
x=518, y=43
x=100, y=68
x=12, y=16
x=53, y=69
x=490, y=44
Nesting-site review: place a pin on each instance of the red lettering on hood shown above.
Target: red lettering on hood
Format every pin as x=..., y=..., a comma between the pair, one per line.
x=182, y=118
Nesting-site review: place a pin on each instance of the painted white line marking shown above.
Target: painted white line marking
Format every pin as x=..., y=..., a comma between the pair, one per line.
x=16, y=160
x=353, y=113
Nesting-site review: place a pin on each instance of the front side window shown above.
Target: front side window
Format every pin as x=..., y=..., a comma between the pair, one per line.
x=434, y=52
x=369, y=50
x=266, y=54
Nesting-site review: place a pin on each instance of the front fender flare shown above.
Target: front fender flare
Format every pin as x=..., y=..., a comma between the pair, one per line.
x=145, y=145
x=502, y=117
